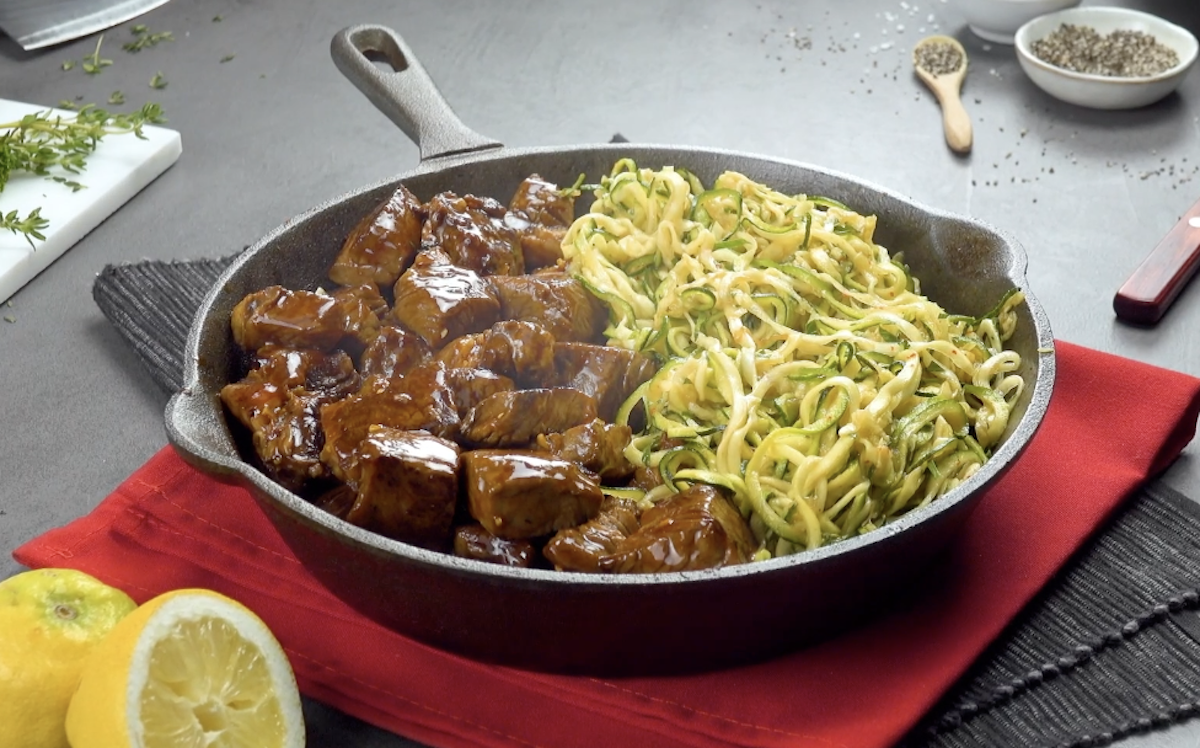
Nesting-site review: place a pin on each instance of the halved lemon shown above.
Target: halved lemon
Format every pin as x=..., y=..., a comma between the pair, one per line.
x=188, y=668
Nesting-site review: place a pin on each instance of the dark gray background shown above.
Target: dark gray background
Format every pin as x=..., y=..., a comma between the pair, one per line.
x=276, y=130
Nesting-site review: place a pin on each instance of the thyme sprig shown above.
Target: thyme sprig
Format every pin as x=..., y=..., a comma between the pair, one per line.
x=42, y=141
x=31, y=226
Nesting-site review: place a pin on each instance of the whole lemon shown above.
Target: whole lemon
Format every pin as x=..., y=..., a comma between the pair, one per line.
x=49, y=621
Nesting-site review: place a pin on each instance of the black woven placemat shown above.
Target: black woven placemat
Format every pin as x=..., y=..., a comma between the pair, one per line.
x=1110, y=648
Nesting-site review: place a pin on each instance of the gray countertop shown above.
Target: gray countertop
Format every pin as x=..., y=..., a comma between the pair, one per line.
x=277, y=129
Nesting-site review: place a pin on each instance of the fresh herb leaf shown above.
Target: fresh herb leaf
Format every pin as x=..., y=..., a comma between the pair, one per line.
x=116, y=98
x=30, y=226
x=227, y=58
x=67, y=104
x=68, y=65
x=94, y=63
x=42, y=141
x=158, y=81
x=75, y=186
x=143, y=39
x=216, y=19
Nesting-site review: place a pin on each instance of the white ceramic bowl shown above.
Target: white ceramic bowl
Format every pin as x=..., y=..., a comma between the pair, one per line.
x=1099, y=91
x=998, y=20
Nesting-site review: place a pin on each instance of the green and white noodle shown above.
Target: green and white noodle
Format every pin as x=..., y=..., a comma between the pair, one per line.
x=803, y=370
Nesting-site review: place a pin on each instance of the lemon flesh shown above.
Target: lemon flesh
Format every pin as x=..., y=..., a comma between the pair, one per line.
x=206, y=679
x=50, y=620
x=190, y=669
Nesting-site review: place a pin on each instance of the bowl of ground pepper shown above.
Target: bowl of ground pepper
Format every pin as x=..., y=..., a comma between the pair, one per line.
x=1105, y=58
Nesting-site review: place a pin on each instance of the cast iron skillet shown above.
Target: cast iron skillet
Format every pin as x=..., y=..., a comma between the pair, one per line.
x=571, y=621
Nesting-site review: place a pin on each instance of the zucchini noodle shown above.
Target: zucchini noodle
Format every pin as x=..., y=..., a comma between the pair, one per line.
x=802, y=370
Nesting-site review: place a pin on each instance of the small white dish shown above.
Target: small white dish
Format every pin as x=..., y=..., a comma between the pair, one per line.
x=998, y=20
x=1100, y=91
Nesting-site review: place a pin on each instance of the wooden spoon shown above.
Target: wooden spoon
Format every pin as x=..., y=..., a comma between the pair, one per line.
x=933, y=57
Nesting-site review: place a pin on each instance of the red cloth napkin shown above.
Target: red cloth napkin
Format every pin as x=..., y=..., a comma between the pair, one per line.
x=1112, y=423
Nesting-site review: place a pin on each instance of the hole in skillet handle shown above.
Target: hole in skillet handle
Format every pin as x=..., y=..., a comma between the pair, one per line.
x=381, y=65
x=389, y=60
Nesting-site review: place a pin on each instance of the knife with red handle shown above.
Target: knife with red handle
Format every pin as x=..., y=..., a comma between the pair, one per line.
x=1144, y=298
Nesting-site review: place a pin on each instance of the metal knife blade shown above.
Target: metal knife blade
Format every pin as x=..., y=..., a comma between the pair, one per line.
x=35, y=24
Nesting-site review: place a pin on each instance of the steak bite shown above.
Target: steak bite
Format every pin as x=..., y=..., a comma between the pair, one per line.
x=555, y=301
x=469, y=387
x=541, y=214
x=393, y=353
x=473, y=541
x=418, y=401
x=523, y=351
x=521, y=495
x=695, y=529
x=473, y=233
x=440, y=301
x=330, y=374
x=364, y=307
x=608, y=374
x=284, y=428
x=407, y=486
x=383, y=243
x=515, y=418
x=293, y=319
x=596, y=445
x=539, y=200
x=585, y=547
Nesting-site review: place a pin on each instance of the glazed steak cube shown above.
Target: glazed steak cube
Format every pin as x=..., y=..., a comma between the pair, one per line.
x=409, y=403
x=540, y=201
x=407, y=486
x=473, y=233
x=596, y=445
x=469, y=387
x=383, y=243
x=294, y=319
x=541, y=214
x=555, y=301
x=515, y=418
x=608, y=374
x=523, y=351
x=696, y=529
x=517, y=495
x=284, y=427
x=330, y=374
x=585, y=547
x=394, y=352
x=364, y=307
x=473, y=541
x=440, y=301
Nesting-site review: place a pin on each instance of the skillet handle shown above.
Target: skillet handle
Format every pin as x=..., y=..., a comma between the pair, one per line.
x=408, y=96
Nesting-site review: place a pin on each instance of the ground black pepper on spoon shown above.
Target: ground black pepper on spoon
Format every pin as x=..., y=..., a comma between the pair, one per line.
x=941, y=63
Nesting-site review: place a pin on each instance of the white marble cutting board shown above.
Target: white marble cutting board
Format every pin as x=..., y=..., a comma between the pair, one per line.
x=116, y=171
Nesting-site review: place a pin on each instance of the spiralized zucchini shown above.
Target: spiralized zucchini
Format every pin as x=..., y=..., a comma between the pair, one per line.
x=802, y=370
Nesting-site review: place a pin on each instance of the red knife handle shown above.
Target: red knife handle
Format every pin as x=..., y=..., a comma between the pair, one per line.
x=1144, y=298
